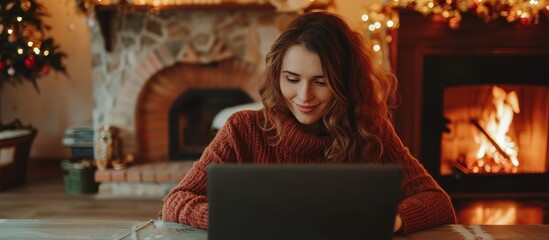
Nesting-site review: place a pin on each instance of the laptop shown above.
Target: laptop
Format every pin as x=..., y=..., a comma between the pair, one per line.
x=344, y=201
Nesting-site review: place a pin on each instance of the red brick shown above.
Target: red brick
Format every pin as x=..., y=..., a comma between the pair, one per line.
x=118, y=175
x=163, y=176
x=177, y=176
x=133, y=175
x=102, y=176
x=148, y=176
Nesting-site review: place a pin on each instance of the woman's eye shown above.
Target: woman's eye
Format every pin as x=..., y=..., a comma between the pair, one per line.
x=292, y=79
x=320, y=82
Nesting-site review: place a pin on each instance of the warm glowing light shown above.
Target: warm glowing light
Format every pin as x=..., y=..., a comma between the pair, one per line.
x=10, y=31
x=371, y=27
x=445, y=14
x=365, y=17
x=46, y=52
x=20, y=50
x=36, y=50
x=496, y=148
x=377, y=25
x=390, y=24
x=431, y=4
x=19, y=19
x=376, y=47
x=497, y=214
x=30, y=44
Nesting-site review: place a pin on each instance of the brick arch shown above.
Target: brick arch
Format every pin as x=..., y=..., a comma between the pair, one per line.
x=162, y=89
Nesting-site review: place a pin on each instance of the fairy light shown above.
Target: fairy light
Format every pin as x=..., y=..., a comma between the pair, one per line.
x=36, y=50
x=30, y=44
x=445, y=14
x=46, y=52
x=379, y=19
x=20, y=51
x=10, y=31
x=19, y=19
x=377, y=25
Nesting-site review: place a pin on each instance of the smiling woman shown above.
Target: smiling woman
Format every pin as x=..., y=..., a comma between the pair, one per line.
x=326, y=101
x=305, y=88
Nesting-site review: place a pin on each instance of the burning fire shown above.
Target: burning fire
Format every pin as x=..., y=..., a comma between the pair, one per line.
x=497, y=152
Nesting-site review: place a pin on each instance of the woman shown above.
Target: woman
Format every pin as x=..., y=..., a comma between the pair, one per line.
x=326, y=100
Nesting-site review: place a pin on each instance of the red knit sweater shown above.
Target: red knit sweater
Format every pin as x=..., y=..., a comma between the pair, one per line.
x=423, y=203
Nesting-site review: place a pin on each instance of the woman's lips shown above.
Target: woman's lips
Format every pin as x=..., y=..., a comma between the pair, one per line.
x=305, y=108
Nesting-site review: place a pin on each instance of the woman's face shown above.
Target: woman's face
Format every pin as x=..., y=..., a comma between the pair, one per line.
x=304, y=85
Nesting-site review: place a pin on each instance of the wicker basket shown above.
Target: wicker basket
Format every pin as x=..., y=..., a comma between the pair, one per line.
x=78, y=178
x=14, y=173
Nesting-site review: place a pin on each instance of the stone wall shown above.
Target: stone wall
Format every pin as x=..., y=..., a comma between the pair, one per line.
x=145, y=43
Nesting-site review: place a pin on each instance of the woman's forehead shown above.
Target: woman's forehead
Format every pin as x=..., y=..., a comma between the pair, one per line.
x=302, y=61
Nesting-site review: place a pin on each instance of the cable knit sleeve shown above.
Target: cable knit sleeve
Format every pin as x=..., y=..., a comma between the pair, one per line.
x=187, y=203
x=424, y=203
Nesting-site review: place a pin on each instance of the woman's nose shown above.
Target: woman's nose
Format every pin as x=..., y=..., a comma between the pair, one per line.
x=305, y=92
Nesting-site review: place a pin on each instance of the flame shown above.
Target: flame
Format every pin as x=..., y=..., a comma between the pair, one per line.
x=497, y=116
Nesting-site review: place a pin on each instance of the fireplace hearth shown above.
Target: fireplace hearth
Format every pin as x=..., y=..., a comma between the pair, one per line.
x=450, y=81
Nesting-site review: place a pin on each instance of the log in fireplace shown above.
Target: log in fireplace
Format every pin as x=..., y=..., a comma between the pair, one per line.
x=456, y=87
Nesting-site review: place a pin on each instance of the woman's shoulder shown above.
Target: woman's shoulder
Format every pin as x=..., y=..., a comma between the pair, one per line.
x=245, y=116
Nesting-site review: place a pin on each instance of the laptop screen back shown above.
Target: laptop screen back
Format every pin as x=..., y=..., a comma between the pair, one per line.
x=344, y=201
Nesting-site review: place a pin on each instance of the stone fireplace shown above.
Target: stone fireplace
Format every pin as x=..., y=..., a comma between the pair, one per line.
x=158, y=57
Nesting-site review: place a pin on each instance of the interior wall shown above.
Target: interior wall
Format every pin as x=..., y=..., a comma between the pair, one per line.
x=67, y=101
x=62, y=101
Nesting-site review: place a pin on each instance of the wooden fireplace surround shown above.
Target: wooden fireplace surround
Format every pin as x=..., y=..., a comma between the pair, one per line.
x=419, y=36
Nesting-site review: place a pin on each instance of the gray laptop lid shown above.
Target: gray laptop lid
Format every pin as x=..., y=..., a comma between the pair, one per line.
x=344, y=201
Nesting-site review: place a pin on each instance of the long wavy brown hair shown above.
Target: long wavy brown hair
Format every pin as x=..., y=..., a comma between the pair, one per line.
x=364, y=91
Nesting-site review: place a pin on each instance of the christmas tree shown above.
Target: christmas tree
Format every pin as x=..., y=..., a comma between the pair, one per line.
x=26, y=53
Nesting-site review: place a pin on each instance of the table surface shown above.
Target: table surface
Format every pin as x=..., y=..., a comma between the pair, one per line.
x=109, y=229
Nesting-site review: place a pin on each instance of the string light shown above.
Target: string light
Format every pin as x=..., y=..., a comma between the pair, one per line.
x=379, y=19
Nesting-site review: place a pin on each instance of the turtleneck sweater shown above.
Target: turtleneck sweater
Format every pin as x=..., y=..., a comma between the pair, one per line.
x=423, y=203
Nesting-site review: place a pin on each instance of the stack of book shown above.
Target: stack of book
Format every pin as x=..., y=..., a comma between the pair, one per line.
x=79, y=169
x=80, y=141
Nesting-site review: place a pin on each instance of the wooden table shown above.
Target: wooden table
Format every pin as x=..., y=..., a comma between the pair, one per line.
x=99, y=229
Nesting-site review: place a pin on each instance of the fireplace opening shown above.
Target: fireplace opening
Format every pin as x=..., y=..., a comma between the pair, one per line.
x=485, y=122
x=494, y=129
x=191, y=116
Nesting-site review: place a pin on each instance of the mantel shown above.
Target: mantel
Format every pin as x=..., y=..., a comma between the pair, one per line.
x=106, y=14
